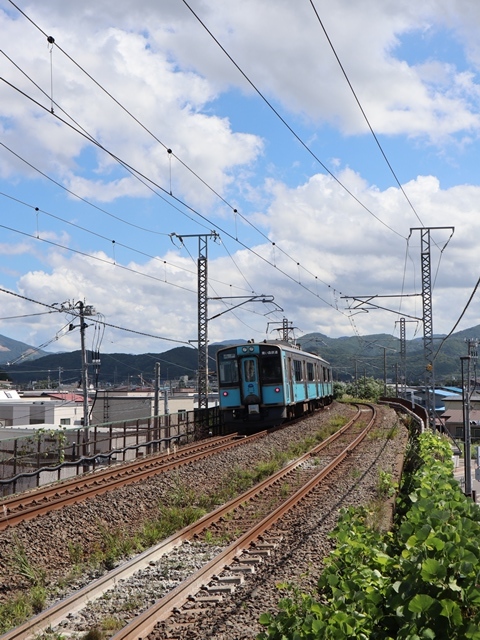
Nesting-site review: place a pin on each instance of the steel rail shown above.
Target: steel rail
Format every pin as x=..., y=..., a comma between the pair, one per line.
x=56, y=497
x=16, y=500
x=143, y=624
x=56, y=613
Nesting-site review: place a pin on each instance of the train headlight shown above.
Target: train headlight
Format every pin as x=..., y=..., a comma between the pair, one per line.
x=225, y=394
x=251, y=349
x=277, y=389
x=244, y=349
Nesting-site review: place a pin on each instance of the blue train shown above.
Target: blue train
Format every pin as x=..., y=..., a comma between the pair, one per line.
x=261, y=384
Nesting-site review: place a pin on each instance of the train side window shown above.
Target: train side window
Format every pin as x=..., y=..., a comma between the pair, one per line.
x=310, y=374
x=297, y=367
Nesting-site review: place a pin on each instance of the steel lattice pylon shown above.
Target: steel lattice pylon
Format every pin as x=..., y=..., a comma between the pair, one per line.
x=202, y=323
x=202, y=281
x=428, y=321
x=427, y=324
x=403, y=358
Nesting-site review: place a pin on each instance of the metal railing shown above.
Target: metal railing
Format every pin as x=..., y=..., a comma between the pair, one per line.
x=48, y=455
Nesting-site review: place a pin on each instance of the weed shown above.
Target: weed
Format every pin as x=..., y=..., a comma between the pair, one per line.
x=49, y=634
x=14, y=612
x=38, y=598
x=94, y=634
x=217, y=539
x=393, y=432
x=75, y=552
x=112, y=624
x=32, y=574
x=285, y=490
x=386, y=488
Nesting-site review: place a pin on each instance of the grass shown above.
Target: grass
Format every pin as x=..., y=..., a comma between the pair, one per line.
x=15, y=611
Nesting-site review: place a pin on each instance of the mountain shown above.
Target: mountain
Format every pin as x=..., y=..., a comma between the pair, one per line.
x=13, y=350
x=114, y=369
x=376, y=355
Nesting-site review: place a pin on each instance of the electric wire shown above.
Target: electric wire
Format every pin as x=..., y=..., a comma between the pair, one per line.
x=285, y=123
x=364, y=114
x=184, y=204
x=113, y=242
x=475, y=288
x=223, y=301
x=119, y=104
x=58, y=307
x=27, y=315
x=42, y=346
x=92, y=139
x=258, y=255
x=97, y=258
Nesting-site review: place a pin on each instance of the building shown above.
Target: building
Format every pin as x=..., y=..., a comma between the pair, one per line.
x=118, y=405
x=53, y=410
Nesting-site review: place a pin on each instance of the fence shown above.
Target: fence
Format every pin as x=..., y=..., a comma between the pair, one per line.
x=48, y=455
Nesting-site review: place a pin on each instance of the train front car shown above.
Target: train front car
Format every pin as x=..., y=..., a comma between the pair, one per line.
x=251, y=385
x=263, y=384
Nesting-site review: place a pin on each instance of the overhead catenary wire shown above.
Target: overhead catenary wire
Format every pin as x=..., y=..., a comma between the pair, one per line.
x=234, y=209
x=258, y=255
x=375, y=137
x=286, y=124
x=97, y=258
x=58, y=307
x=98, y=235
x=464, y=310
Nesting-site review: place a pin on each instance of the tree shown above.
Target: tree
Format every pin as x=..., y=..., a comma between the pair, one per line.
x=339, y=390
x=365, y=389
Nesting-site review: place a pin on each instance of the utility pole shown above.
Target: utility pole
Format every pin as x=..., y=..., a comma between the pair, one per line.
x=84, y=311
x=466, y=424
x=472, y=356
x=384, y=367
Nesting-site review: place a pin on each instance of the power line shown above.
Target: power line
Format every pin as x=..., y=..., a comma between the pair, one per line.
x=97, y=258
x=285, y=123
x=58, y=307
x=363, y=113
x=459, y=318
x=186, y=205
x=138, y=173
x=113, y=242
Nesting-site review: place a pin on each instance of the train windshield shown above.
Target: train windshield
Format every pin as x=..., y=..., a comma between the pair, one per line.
x=228, y=367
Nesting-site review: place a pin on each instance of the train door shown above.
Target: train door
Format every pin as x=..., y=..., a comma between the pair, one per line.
x=251, y=385
x=289, y=380
x=286, y=378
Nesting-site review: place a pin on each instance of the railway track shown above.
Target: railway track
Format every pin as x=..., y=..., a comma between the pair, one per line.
x=27, y=506
x=243, y=522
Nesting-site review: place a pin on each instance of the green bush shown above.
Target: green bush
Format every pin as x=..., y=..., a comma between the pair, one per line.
x=422, y=580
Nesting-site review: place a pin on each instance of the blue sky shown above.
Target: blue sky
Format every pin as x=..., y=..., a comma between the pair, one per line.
x=318, y=221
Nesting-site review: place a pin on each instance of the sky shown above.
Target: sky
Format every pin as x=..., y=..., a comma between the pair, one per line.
x=307, y=145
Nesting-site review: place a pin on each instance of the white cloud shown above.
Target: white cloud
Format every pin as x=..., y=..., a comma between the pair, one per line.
x=158, y=61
